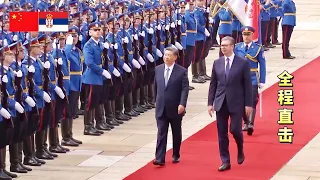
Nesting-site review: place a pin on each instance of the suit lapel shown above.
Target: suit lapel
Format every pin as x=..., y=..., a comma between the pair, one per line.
x=172, y=75
x=233, y=67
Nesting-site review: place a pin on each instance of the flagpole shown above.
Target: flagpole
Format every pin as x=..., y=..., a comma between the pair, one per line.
x=260, y=102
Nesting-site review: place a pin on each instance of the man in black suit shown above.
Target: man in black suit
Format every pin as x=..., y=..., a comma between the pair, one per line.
x=171, y=93
x=230, y=92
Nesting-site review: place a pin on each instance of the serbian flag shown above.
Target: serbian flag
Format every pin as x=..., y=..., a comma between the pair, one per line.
x=53, y=21
x=23, y=21
x=248, y=13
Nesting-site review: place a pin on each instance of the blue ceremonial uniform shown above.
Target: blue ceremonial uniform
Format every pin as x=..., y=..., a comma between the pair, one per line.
x=10, y=88
x=191, y=28
x=288, y=23
x=225, y=27
x=52, y=74
x=64, y=68
x=120, y=62
x=201, y=23
x=236, y=29
x=76, y=58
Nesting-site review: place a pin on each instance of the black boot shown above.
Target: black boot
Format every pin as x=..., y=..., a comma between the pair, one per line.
x=28, y=150
x=251, y=122
x=46, y=145
x=203, y=70
x=110, y=114
x=34, y=150
x=40, y=152
x=71, y=131
x=3, y=175
x=20, y=147
x=3, y=164
x=14, y=159
x=66, y=138
x=195, y=75
x=119, y=108
x=151, y=95
x=100, y=119
x=88, y=124
x=53, y=141
x=128, y=110
x=58, y=141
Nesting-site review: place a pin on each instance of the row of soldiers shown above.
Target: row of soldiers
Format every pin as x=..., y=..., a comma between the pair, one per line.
x=107, y=58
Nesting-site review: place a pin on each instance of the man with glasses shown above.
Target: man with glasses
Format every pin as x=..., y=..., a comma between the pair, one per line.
x=255, y=54
x=230, y=92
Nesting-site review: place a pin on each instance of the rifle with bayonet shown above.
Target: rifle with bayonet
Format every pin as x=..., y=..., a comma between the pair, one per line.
x=158, y=32
x=135, y=46
x=45, y=74
x=179, y=34
x=124, y=44
x=141, y=41
x=166, y=33
x=172, y=35
x=105, y=55
x=114, y=50
x=150, y=36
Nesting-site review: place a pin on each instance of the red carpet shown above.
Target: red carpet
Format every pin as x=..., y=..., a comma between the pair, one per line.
x=264, y=154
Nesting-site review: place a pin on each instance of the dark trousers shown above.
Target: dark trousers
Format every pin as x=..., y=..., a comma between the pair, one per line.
x=215, y=32
x=264, y=32
x=199, y=48
x=189, y=56
x=275, y=31
x=163, y=126
x=237, y=36
x=235, y=129
x=271, y=30
x=255, y=98
x=286, y=36
x=72, y=107
x=93, y=94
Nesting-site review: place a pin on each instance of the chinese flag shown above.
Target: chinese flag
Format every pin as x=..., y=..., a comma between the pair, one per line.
x=24, y=21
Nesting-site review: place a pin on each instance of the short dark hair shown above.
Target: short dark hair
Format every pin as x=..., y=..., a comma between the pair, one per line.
x=228, y=38
x=173, y=50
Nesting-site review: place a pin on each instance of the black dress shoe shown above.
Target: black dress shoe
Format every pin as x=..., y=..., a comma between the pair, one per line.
x=206, y=77
x=250, y=130
x=289, y=57
x=224, y=167
x=10, y=174
x=197, y=80
x=50, y=153
x=91, y=132
x=158, y=163
x=119, y=121
x=69, y=143
x=25, y=167
x=241, y=157
x=175, y=160
x=276, y=43
x=63, y=148
x=132, y=114
x=4, y=176
x=111, y=122
x=31, y=162
x=39, y=160
x=97, y=130
x=102, y=127
x=191, y=88
x=76, y=141
x=42, y=155
x=138, y=109
x=18, y=169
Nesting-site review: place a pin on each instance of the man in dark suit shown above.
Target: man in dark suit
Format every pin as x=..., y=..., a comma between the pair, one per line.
x=171, y=93
x=230, y=92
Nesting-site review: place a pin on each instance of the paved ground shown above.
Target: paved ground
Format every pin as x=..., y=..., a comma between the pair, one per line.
x=125, y=149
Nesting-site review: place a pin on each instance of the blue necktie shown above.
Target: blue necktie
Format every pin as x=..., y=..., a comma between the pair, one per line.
x=227, y=68
x=166, y=79
x=247, y=47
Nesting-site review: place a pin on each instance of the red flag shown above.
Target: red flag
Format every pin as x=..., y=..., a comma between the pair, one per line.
x=254, y=8
x=24, y=21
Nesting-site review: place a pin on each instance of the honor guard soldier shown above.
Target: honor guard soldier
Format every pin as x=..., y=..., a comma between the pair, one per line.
x=74, y=63
x=191, y=29
x=254, y=53
x=265, y=18
x=73, y=6
x=181, y=31
x=35, y=70
x=22, y=94
x=288, y=23
x=202, y=34
x=273, y=23
x=93, y=77
x=15, y=109
x=225, y=28
x=115, y=63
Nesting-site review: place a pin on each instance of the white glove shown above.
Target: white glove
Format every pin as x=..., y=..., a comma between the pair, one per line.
x=159, y=27
x=136, y=64
x=150, y=57
x=18, y=107
x=80, y=37
x=54, y=41
x=126, y=68
x=54, y=45
x=115, y=72
x=206, y=32
x=167, y=27
x=30, y=101
x=18, y=73
x=15, y=38
x=46, y=97
x=210, y=20
x=227, y=9
x=150, y=31
x=135, y=36
x=172, y=25
x=261, y=85
x=27, y=36
x=208, y=10
x=143, y=34
x=46, y=65
x=5, y=79
x=179, y=22
x=178, y=45
x=69, y=40
x=115, y=46
x=59, y=91
x=106, y=74
x=4, y=113
x=106, y=45
x=159, y=53
x=125, y=40
x=5, y=42
x=141, y=61
x=31, y=69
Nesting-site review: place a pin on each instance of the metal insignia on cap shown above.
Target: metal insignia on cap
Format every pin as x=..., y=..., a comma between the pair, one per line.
x=61, y=33
x=246, y=29
x=97, y=25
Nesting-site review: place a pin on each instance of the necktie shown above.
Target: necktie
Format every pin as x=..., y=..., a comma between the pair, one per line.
x=227, y=67
x=247, y=47
x=166, y=79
